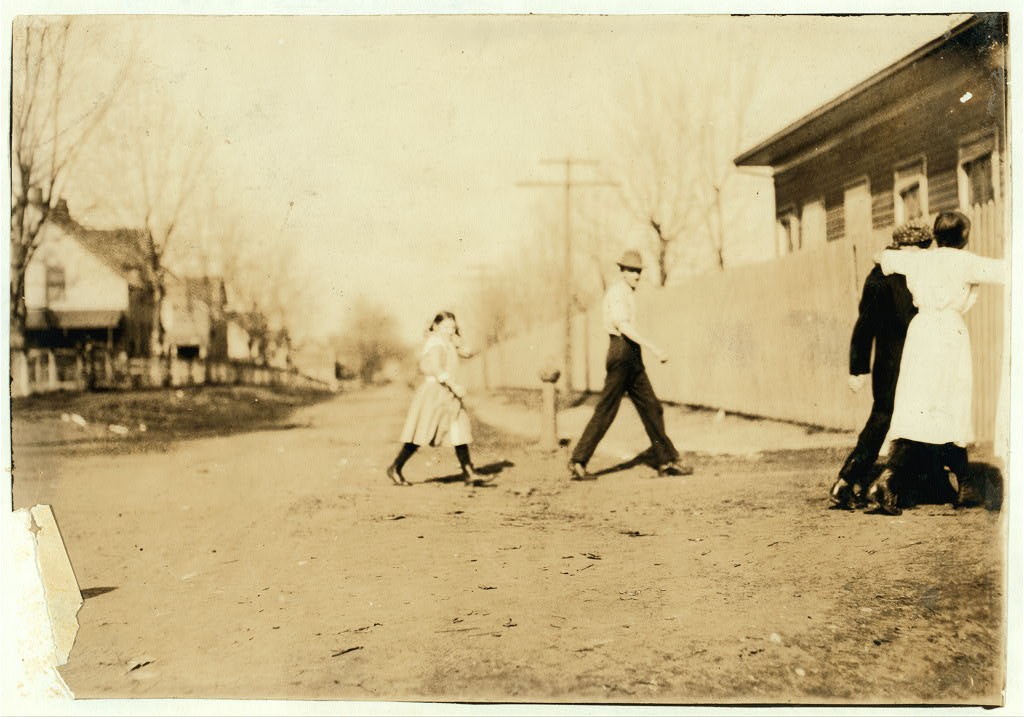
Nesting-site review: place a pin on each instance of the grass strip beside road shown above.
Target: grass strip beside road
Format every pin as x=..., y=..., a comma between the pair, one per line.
x=153, y=418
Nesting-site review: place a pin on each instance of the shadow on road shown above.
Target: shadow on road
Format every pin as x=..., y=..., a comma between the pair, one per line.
x=489, y=470
x=645, y=458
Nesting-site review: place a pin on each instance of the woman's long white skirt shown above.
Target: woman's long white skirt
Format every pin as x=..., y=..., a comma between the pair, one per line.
x=934, y=391
x=436, y=417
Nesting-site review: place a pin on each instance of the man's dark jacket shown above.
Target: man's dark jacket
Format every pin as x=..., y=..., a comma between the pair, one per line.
x=886, y=308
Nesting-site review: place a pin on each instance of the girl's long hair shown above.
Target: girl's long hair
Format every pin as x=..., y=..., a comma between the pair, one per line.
x=441, y=316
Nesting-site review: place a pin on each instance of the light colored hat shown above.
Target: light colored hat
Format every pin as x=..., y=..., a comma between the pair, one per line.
x=913, y=233
x=631, y=260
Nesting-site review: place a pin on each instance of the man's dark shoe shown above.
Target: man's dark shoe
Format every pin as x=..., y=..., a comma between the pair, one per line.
x=841, y=495
x=578, y=471
x=674, y=468
x=881, y=497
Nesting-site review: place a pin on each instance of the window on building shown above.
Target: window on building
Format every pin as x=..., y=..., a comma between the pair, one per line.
x=54, y=284
x=857, y=211
x=787, y=232
x=977, y=178
x=813, y=223
x=980, y=187
x=910, y=192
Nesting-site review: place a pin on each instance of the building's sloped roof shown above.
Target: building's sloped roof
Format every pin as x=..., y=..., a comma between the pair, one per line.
x=878, y=91
x=121, y=249
x=210, y=290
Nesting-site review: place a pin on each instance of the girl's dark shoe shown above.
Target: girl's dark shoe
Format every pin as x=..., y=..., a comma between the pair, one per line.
x=395, y=474
x=471, y=477
x=881, y=497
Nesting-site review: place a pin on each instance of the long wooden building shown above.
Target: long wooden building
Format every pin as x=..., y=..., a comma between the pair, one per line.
x=926, y=134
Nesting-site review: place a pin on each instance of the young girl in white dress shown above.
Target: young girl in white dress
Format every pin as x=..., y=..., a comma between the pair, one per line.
x=437, y=416
x=934, y=392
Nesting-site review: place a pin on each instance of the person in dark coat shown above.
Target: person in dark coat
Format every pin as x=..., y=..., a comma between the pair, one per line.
x=886, y=309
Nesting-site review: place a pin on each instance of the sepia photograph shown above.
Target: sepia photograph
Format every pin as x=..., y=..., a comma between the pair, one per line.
x=565, y=358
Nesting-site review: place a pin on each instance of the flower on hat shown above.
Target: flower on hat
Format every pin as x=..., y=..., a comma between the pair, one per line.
x=911, y=233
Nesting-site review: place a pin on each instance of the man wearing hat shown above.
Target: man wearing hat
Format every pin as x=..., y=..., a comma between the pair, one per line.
x=886, y=308
x=626, y=375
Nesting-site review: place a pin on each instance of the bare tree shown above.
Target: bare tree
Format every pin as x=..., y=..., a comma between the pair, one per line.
x=678, y=138
x=284, y=294
x=653, y=169
x=265, y=281
x=525, y=288
x=491, y=305
x=151, y=176
x=595, y=243
x=370, y=339
x=53, y=116
x=719, y=129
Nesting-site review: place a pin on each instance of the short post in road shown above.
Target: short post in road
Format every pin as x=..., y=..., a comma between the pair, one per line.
x=548, y=414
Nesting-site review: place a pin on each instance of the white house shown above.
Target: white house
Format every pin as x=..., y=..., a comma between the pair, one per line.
x=87, y=285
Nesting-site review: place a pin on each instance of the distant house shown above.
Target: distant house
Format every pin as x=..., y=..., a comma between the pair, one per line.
x=269, y=343
x=279, y=350
x=199, y=321
x=236, y=340
x=87, y=286
x=924, y=135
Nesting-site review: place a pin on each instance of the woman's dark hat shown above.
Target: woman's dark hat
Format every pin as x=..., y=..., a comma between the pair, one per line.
x=631, y=260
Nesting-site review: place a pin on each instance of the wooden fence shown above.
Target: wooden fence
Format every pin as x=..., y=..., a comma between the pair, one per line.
x=769, y=339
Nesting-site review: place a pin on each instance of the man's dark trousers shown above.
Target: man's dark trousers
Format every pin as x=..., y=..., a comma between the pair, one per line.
x=625, y=374
x=886, y=309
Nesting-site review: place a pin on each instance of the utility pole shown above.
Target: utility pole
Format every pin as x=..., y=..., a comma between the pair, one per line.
x=567, y=298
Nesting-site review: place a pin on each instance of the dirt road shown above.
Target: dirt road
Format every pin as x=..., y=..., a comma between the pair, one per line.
x=283, y=564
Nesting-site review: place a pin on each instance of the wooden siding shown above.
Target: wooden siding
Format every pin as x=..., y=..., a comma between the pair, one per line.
x=835, y=221
x=942, y=192
x=883, y=211
x=931, y=124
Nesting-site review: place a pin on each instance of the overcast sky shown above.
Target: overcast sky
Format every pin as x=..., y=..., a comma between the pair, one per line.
x=390, y=147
